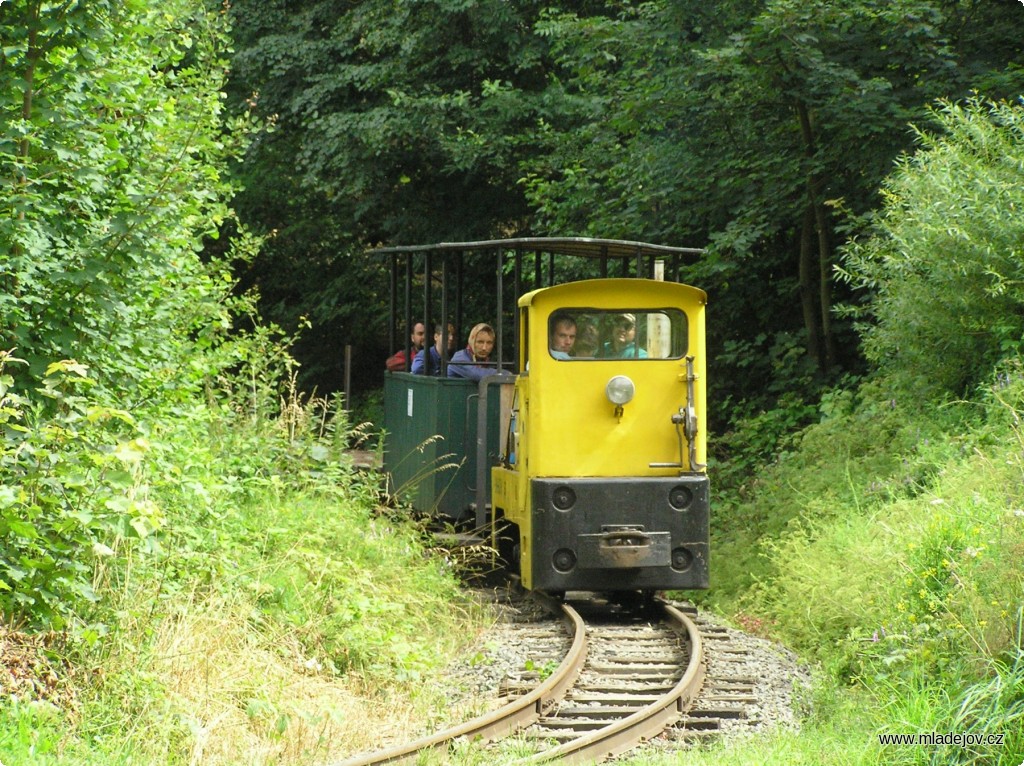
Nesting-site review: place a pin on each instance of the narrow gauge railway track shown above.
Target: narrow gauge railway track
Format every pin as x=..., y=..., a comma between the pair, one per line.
x=619, y=684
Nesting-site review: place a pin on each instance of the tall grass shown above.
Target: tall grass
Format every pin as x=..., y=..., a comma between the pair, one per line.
x=903, y=583
x=278, y=617
x=268, y=658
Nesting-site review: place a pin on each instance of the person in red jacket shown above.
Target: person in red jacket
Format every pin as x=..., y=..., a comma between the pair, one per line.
x=397, y=361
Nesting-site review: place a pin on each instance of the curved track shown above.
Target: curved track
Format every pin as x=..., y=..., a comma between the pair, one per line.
x=638, y=679
x=618, y=685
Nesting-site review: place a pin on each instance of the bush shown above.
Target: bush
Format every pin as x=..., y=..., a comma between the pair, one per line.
x=69, y=494
x=911, y=591
x=945, y=263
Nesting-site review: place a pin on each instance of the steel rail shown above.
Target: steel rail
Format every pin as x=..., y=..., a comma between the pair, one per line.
x=647, y=722
x=519, y=713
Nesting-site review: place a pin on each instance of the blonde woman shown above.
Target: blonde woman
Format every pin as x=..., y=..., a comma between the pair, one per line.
x=466, y=363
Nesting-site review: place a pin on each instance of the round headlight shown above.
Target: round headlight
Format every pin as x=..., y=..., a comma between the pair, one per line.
x=620, y=390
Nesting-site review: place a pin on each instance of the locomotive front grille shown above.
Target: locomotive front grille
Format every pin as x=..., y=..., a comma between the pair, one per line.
x=620, y=533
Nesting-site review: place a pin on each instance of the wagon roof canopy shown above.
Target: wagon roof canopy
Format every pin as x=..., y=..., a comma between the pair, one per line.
x=576, y=246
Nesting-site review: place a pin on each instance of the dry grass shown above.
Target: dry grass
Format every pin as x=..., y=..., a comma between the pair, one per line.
x=32, y=668
x=253, y=697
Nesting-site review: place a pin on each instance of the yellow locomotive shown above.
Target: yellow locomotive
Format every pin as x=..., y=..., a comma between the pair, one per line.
x=583, y=456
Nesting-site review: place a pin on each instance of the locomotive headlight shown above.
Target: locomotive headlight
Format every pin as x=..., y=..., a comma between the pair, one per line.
x=619, y=391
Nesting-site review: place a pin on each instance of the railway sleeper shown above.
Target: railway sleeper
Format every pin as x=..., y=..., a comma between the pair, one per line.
x=739, y=687
x=632, y=633
x=743, y=699
x=692, y=735
x=706, y=628
x=627, y=679
x=689, y=723
x=668, y=665
x=661, y=644
x=550, y=737
x=606, y=712
x=571, y=724
x=700, y=711
x=637, y=700
x=627, y=692
x=515, y=689
x=727, y=679
x=639, y=661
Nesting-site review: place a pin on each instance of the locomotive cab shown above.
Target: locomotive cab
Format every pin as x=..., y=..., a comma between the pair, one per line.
x=603, y=474
x=581, y=453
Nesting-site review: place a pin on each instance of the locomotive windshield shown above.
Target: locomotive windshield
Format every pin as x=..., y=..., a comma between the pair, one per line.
x=587, y=334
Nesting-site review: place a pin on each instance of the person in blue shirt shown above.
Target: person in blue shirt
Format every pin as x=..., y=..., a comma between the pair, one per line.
x=419, y=364
x=622, y=343
x=466, y=362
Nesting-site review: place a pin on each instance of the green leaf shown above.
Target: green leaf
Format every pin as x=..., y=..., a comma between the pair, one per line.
x=15, y=573
x=23, y=528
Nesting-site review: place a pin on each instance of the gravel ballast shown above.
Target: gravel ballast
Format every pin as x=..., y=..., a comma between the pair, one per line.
x=524, y=639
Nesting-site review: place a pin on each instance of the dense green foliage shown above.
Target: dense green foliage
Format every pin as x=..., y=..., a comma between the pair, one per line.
x=393, y=123
x=112, y=154
x=884, y=543
x=269, y=592
x=112, y=151
x=883, y=547
x=945, y=261
x=68, y=496
x=223, y=580
x=188, y=561
x=164, y=494
x=757, y=129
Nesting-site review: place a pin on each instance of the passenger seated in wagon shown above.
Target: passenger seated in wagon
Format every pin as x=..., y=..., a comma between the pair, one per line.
x=467, y=362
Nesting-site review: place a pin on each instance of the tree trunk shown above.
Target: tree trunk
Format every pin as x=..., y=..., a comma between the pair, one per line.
x=32, y=55
x=825, y=275
x=808, y=267
x=815, y=193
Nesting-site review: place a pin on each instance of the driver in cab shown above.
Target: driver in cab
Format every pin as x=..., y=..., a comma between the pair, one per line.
x=563, y=336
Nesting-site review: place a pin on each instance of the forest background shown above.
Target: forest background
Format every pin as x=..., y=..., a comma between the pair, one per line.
x=761, y=131
x=189, y=193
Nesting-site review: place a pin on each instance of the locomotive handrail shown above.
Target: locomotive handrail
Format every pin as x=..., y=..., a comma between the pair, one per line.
x=474, y=488
x=586, y=247
x=482, y=465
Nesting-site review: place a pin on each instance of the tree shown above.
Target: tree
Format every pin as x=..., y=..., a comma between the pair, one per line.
x=395, y=123
x=746, y=126
x=746, y=129
x=113, y=156
x=943, y=262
